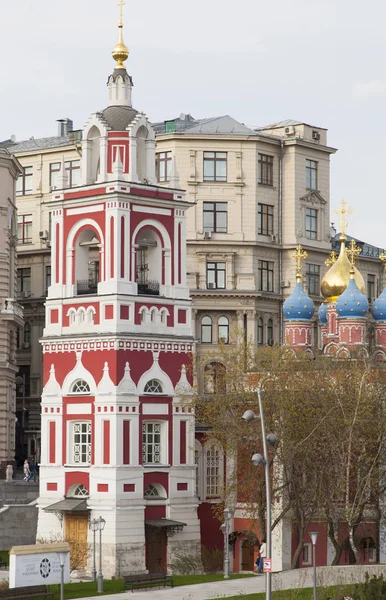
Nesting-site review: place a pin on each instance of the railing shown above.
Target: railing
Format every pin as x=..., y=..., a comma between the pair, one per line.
x=85, y=286
x=150, y=288
x=12, y=307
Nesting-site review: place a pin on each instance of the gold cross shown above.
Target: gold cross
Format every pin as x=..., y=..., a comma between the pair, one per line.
x=331, y=259
x=343, y=211
x=121, y=4
x=299, y=255
x=382, y=258
x=353, y=251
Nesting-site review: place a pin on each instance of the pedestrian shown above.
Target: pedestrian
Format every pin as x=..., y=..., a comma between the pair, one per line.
x=32, y=470
x=263, y=555
x=257, y=562
x=26, y=470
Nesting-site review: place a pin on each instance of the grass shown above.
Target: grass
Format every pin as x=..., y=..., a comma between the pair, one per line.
x=334, y=592
x=84, y=589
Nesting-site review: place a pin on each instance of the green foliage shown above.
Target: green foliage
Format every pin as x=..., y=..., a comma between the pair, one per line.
x=186, y=563
x=212, y=559
x=373, y=588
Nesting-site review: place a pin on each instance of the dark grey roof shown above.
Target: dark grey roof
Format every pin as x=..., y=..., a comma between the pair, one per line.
x=118, y=117
x=42, y=143
x=368, y=250
x=123, y=73
x=68, y=505
x=224, y=125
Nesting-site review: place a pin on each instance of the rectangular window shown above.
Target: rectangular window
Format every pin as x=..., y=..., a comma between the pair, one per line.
x=215, y=275
x=81, y=443
x=311, y=224
x=24, y=229
x=313, y=279
x=213, y=474
x=72, y=170
x=215, y=166
x=265, y=219
x=311, y=174
x=371, y=284
x=216, y=217
x=265, y=276
x=24, y=280
x=24, y=182
x=48, y=277
x=151, y=443
x=265, y=169
x=163, y=164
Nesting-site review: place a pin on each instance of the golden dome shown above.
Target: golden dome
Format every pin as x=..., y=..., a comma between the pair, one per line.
x=337, y=277
x=120, y=52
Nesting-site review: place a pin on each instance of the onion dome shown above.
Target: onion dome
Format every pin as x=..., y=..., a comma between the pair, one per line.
x=322, y=314
x=378, y=309
x=352, y=304
x=298, y=306
x=337, y=277
x=120, y=53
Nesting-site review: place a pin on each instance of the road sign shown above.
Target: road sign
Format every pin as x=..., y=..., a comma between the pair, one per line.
x=267, y=565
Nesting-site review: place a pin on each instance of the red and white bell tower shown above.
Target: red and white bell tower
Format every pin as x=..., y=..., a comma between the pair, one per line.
x=117, y=438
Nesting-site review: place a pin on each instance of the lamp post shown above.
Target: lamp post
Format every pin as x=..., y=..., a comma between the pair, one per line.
x=94, y=528
x=258, y=459
x=314, y=537
x=98, y=525
x=62, y=559
x=228, y=514
x=20, y=381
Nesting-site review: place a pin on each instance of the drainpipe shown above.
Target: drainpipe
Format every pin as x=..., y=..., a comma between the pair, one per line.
x=280, y=233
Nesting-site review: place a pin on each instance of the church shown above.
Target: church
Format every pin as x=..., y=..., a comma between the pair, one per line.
x=118, y=442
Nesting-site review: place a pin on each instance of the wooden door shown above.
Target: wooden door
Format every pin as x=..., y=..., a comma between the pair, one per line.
x=155, y=550
x=247, y=554
x=76, y=535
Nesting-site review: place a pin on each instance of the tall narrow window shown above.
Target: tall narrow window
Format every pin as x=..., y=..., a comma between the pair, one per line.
x=311, y=223
x=24, y=229
x=265, y=169
x=48, y=277
x=24, y=281
x=270, y=332
x=265, y=219
x=73, y=172
x=215, y=166
x=206, y=330
x=371, y=281
x=311, y=174
x=215, y=275
x=313, y=279
x=216, y=217
x=213, y=474
x=260, y=331
x=265, y=276
x=54, y=175
x=223, y=330
x=24, y=182
x=81, y=443
x=27, y=335
x=151, y=443
x=163, y=164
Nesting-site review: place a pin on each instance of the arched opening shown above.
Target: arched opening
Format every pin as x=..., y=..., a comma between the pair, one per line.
x=260, y=331
x=78, y=491
x=270, y=332
x=223, y=330
x=153, y=387
x=80, y=386
x=367, y=550
x=87, y=262
x=93, y=160
x=149, y=262
x=142, y=134
x=155, y=491
x=206, y=330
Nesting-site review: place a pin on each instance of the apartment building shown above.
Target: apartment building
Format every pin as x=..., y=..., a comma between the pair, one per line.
x=11, y=314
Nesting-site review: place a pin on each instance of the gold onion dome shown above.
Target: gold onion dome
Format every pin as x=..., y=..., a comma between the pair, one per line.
x=336, y=280
x=120, y=52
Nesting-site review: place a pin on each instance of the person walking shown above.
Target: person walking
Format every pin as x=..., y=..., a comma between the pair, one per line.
x=26, y=470
x=263, y=555
x=32, y=470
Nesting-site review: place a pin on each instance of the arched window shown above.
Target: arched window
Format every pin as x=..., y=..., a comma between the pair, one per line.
x=223, y=330
x=270, y=332
x=143, y=315
x=153, y=387
x=260, y=331
x=164, y=316
x=155, y=490
x=80, y=491
x=81, y=314
x=80, y=387
x=214, y=378
x=206, y=330
x=153, y=315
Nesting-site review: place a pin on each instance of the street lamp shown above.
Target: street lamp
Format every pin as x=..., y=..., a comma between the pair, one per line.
x=314, y=537
x=259, y=459
x=94, y=524
x=62, y=559
x=228, y=514
x=98, y=525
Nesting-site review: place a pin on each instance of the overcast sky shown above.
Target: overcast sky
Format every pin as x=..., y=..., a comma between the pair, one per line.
x=318, y=61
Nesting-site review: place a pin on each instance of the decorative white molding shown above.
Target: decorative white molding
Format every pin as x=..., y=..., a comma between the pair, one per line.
x=116, y=343
x=106, y=385
x=127, y=385
x=183, y=387
x=155, y=372
x=79, y=372
x=52, y=387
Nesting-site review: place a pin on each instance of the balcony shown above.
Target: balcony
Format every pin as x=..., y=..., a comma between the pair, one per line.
x=150, y=288
x=86, y=287
x=12, y=310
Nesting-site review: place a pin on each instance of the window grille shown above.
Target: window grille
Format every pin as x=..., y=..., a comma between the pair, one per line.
x=153, y=387
x=151, y=443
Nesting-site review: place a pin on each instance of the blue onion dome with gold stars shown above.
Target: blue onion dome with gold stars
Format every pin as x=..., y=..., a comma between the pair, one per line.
x=378, y=308
x=298, y=306
x=322, y=314
x=352, y=304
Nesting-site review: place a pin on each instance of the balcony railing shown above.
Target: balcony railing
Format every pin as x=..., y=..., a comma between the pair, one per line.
x=150, y=288
x=85, y=286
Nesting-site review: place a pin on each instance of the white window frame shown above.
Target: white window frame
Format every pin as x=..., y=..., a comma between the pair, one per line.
x=163, y=451
x=71, y=433
x=160, y=393
x=72, y=393
x=202, y=472
x=307, y=563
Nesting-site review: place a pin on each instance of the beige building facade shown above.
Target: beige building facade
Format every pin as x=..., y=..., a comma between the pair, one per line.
x=11, y=314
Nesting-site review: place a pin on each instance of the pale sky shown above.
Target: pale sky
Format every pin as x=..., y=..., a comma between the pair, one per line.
x=318, y=61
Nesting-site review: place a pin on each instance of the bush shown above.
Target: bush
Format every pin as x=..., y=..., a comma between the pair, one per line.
x=371, y=589
x=212, y=559
x=186, y=563
x=4, y=584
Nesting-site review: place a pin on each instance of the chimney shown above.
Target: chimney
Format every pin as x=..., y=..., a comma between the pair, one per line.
x=64, y=127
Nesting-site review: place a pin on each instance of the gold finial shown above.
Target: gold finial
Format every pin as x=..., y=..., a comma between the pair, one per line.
x=331, y=260
x=382, y=258
x=343, y=212
x=120, y=52
x=352, y=252
x=299, y=255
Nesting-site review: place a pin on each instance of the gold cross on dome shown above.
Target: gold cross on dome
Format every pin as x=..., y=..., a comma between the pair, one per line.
x=121, y=4
x=353, y=251
x=331, y=259
x=299, y=255
x=343, y=212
